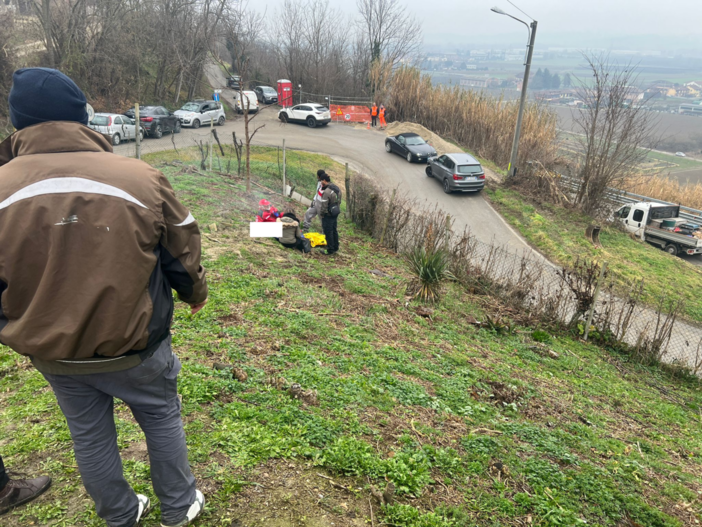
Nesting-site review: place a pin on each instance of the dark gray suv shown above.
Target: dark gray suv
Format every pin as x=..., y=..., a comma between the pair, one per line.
x=457, y=172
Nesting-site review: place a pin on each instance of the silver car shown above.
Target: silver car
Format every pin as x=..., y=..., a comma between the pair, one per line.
x=457, y=172
x=115, y=127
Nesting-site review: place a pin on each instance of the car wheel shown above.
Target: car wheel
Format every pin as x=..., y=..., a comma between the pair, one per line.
x=196, y=123
x=671, y=249
x=428, y=172
x=388, y=147
x=409, y=157
x=447, y=187
x=311, y=122
x=283, y=117
x=141, y=135
x=116, y=139
x=221, y=121
x=158, y=132
x=176, y=130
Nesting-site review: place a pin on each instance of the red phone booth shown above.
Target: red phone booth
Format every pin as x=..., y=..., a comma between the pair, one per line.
x=285, y=93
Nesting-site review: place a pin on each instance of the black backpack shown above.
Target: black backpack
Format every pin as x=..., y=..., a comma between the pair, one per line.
x=335, y=209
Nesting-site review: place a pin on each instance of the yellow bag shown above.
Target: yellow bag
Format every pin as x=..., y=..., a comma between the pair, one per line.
x=316, y=239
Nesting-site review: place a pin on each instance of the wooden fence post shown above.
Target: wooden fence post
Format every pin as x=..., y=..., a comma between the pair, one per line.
x=347, y=181
x=594, y=298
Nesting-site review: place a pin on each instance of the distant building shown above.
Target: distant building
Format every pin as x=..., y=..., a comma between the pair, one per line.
x=694, y=108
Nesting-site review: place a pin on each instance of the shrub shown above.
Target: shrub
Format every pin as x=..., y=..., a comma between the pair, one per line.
x=430, y=268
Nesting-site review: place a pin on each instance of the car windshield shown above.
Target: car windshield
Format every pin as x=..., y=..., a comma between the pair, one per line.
x=270, y=91
x=191, y=107
x=100, y=120
x=469, y=169
x=414, y=141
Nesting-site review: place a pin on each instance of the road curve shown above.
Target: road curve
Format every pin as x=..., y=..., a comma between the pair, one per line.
x=364, y=150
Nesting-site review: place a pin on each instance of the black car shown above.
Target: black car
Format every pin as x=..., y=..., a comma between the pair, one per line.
x=266, y=94
x=156, y=120
x=410, y=146
x=234, y=82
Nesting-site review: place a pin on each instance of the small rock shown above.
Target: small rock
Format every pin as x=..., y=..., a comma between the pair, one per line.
x=425, y=312
x=221, y=366
x=380, y=273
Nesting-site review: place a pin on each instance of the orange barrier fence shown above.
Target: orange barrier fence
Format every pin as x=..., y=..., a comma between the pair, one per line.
x=350, y=114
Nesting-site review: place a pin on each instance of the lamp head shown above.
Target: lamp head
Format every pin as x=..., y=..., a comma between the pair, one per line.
x=497, y=10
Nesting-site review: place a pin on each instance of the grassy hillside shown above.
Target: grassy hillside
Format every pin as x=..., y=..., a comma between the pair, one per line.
x=559, y=234
x=472, y=427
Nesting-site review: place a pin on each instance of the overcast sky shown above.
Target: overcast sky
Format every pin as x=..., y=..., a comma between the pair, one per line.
x=615, y=24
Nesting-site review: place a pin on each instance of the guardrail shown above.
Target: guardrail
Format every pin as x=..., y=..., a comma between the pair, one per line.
x=623, y=197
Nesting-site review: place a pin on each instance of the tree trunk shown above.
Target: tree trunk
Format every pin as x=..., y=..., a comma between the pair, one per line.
x=248, y=148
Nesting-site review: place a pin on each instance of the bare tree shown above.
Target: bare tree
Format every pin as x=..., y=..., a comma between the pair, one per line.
x=243, y=31
x=390, y=33
x=617, y=130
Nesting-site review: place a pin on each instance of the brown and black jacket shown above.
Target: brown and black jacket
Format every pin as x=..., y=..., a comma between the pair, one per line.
x=91, y=244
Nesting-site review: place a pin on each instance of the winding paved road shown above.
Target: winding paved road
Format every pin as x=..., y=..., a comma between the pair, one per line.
x=364, y=151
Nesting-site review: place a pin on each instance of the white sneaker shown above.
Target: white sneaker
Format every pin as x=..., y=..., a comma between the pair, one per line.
x=144, y=507
x=193, y=512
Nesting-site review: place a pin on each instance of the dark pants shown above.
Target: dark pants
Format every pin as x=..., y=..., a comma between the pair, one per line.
x=3, y=476
x=299, y=245
x=151, y=392
x=374, y=120
x=331, y=234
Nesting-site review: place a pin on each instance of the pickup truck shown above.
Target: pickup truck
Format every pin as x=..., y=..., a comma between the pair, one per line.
x=660, y=225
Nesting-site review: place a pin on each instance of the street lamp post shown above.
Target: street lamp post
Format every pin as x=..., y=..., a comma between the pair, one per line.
x=512, y=168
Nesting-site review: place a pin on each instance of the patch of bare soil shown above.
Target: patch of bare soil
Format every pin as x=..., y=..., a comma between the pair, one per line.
x=290, y=495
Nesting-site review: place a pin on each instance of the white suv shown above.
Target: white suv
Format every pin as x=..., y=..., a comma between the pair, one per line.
x=197, y=113
x=311, y=113
x=250, y=101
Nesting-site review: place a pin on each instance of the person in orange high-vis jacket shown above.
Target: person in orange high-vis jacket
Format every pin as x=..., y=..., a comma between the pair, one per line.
x=374, y=115
x=383, y=124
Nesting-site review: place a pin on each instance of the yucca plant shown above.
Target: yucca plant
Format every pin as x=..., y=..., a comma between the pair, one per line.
x=430, y=267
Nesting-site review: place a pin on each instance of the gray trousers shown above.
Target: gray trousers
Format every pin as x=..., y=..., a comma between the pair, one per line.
x=151, y=392
x=309, y=216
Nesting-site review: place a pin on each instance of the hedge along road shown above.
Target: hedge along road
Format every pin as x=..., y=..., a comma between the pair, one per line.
x=364, y=150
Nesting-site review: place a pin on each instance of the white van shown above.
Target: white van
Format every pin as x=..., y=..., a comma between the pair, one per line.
x=250, y=101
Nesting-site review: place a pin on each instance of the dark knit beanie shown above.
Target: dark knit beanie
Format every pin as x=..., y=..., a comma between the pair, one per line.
x=39, y=95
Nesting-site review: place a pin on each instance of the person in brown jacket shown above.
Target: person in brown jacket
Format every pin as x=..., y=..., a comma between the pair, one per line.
x=91, y=245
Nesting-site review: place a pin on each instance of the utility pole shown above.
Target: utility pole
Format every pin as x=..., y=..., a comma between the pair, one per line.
x=512, y=168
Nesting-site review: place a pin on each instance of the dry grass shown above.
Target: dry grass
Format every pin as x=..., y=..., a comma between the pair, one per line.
x=481, y=123
x=665, y=189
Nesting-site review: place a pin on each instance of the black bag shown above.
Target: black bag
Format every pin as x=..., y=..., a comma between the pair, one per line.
x=306, y=245
x=335, y=209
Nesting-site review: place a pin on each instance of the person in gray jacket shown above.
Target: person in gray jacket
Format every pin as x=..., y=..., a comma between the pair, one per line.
x=331, y=195
x=314, y=208
x=292, y=235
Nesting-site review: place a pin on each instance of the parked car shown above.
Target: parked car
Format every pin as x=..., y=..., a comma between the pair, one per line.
x=457, y=172
x=680, y=154
x=410, y=146
x=200, y=112
x=311, y=113
x=234, y=82
x=250, y=101
x=266, y=94
x=115, y=127
x=156, y=120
